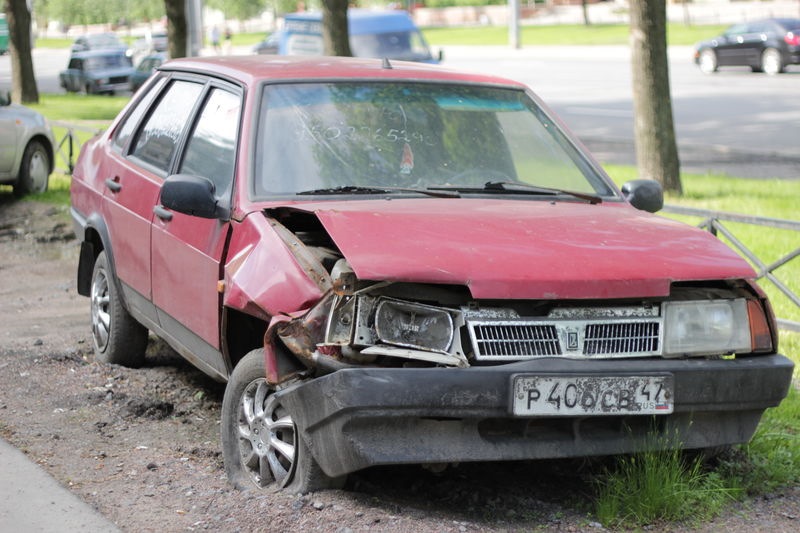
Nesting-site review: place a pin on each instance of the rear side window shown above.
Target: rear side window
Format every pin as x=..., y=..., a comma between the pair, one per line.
x=156, y=141
x=126, y=129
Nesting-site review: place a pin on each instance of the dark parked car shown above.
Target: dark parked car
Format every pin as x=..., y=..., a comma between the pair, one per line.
x=392, y=263
x=26, y=148
x=145, y=68
x=97, y=71
x=763, y=45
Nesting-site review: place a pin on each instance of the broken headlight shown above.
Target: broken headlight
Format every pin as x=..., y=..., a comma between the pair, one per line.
x=413, y=325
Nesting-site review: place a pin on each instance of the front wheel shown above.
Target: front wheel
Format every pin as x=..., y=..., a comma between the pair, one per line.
x=260, y=441
x=118, y=338
x=708, y=62
x=34, y=170
x=771, y=62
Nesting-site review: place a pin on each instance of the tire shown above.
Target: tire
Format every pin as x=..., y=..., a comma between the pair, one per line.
x=34, y=170
x=118, y=338
x=708, y=62
x=771, y=62
x=260, y=441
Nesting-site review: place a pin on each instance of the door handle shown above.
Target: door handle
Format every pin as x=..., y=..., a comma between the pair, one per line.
x=113, y=184
x=162, y=213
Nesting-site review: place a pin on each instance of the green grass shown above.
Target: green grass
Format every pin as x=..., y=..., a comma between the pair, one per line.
x=53, y=42
x=659, y=486
x=75, y=108
x=566, y=34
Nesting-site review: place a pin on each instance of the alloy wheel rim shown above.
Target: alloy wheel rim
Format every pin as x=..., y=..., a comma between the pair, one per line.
x=101, y=319
x=267, y=436
x=771, y=63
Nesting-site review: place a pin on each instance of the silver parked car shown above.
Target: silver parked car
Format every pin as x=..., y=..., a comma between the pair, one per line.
x=26, y=148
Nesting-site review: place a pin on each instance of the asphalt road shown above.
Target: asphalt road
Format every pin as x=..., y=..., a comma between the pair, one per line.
x=733, y=122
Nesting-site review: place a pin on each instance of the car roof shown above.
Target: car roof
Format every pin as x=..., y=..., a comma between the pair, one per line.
x=253, y=69
x=95, y=52
x=790, y=23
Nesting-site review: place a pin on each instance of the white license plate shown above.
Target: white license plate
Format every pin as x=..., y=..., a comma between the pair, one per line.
x=561, y=395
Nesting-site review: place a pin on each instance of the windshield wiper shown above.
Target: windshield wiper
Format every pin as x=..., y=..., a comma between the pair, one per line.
x=357, y=189
x=514, y=187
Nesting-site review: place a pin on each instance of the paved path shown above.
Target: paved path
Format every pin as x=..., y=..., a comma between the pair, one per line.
x=32, y=501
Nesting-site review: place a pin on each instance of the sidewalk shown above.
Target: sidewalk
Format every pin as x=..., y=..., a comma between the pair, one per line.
x=32, y=501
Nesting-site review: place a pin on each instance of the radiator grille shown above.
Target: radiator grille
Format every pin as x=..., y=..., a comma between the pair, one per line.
x=521, y=339
x=524, y=340
x=621, y=338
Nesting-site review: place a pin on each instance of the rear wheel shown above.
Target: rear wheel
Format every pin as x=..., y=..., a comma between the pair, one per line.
x=34, y=170
x=708, y=62
x=771, y=62
x=118, y=337
x=260, y=441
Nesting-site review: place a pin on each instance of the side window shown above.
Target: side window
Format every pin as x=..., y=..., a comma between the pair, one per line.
x=156, y=141
x=125, y=131
x=211, y=151
x=737, y=29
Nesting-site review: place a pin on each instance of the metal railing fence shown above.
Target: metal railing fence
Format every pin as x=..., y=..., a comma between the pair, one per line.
x=713, y=223
x=69, y=144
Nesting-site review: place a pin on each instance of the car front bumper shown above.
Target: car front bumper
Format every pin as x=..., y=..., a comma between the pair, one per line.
x=361, y=417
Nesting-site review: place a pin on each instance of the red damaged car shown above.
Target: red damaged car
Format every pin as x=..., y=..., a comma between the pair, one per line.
x=395, y=263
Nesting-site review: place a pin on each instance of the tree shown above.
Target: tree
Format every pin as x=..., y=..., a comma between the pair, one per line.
x=176, y=27
x=23, y=85
x=335, y=33
x=585, y=8
x=654, y=130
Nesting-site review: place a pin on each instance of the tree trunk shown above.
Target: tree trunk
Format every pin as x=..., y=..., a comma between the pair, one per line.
x=23, y=84
x=585, y=7
x=176, y=27
x=335, y=33
x=656, y=149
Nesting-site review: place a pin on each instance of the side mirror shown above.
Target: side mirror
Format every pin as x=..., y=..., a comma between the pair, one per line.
x=440, y=55
x=191, y=195
x=5, y=99
x=646, y=195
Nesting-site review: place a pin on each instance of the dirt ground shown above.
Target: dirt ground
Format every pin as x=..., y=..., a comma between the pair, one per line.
x=142, y=446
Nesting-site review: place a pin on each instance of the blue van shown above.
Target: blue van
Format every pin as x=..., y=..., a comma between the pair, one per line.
x=390, y=34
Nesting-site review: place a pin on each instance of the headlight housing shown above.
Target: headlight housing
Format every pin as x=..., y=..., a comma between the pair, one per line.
x=706, y=327
x=413, y=325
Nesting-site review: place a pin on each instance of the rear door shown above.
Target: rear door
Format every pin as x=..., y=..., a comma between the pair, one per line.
x=728, y=50
x=143, y=153
x=754, y=41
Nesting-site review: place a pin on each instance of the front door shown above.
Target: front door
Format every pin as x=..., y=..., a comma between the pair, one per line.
x=187, y=251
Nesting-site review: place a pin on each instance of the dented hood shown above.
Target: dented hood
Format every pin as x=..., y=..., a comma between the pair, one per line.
x=524, y=249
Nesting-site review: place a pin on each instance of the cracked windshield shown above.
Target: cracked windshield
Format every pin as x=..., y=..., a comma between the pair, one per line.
x=412, y=135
